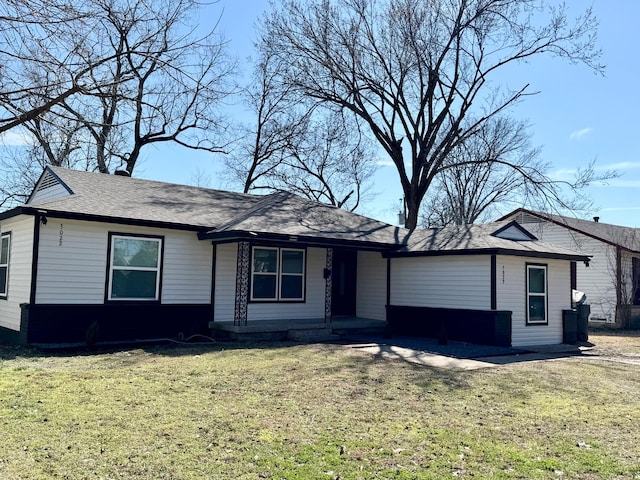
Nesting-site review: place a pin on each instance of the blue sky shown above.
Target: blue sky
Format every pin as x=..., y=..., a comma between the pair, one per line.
x=577, y=116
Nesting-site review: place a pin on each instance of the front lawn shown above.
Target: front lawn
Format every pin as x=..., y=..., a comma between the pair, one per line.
x=311, y=412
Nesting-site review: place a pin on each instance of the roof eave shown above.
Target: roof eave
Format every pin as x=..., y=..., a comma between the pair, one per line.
x=490, y=251
x=13, y=212
x=107, y=219
x=243, y=235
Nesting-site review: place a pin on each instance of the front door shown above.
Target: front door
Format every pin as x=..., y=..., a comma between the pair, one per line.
x=343, y=283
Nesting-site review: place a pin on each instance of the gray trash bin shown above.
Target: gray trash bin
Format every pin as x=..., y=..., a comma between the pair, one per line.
x=583, y=322
x=569, y=327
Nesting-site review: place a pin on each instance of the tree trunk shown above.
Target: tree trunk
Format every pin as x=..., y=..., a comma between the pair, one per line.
x=413, y=208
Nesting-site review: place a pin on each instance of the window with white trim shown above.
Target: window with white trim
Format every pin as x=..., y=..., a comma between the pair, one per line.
x=277, y=274
x=537, y=294
x=134, y=268
x=5, y=247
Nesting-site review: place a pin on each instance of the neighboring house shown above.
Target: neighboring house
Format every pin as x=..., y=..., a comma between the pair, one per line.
x=107, y=258
x=611, y=280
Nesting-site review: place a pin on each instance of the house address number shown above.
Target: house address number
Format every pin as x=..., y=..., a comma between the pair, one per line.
x=61, y=235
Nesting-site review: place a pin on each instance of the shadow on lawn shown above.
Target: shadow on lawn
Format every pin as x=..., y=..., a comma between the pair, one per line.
x=10, y=352
x=363, y=368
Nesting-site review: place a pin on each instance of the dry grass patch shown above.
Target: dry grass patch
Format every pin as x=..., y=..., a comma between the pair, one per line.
x=613, y=342
x=307, y=412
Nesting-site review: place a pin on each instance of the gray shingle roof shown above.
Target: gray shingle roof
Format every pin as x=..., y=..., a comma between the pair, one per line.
x=287, y=214
x=222, y=214
x=478, y=237
x=117, y=197
x=626, y=237
x=215, y=211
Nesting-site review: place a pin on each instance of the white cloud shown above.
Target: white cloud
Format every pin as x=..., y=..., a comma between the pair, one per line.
x=619, y=166
x=563, y=173
x=16, y=137
x=620, y=209
x=578, y=134
x=618, y=183
x=385, y=163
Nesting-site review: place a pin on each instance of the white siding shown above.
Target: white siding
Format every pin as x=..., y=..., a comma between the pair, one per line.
x=47, y=194
x=187, y=269
x=72, y=263
x=598, y=279
x=511, y=295
x=19, y=286
x=448, y=281
x=371, y=286
x=225, y=282
x=312, y=307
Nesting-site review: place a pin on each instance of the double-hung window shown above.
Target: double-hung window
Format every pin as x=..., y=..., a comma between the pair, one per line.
x=277, y=274
x=134, y=268
x=537, y=294
x=5, y=247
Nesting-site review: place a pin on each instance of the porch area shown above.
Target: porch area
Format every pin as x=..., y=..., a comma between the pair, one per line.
x=303, y=330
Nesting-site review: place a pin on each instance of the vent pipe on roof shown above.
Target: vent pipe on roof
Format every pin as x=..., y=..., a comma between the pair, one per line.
x=402, y=214
x=596, y=219
x=122, y=173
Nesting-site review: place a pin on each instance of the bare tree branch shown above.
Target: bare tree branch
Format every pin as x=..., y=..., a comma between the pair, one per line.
x=413, y=71
x=119, y=75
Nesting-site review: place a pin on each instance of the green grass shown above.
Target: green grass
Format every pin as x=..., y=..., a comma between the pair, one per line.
x=310, y=412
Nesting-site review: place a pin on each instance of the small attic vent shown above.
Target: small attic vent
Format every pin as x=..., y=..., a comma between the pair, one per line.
x=47, y=181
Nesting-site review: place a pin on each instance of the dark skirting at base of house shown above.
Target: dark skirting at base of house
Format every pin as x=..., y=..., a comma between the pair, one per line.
x=484, y=327
x=90, y=324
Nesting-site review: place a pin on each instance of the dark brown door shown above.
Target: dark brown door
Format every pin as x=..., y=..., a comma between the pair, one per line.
x=343, y=283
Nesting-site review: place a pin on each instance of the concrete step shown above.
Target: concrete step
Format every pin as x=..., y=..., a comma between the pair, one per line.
x=345, y=332
x=312, y=335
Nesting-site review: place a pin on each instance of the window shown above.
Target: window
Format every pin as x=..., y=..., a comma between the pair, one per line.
x=134, y=268
x=277, y=274
x=5, y=245
x=536, y=294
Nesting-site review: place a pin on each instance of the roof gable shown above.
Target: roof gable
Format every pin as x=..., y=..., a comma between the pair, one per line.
x=48, y=187
x=513, y=231
x=617, y=235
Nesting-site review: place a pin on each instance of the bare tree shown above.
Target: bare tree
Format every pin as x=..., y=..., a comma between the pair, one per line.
x=485, y=171
x=298, y=146
x=41, y=44
x=331, y=164
x=413, y=70
x=147, y=77
x=279, y=122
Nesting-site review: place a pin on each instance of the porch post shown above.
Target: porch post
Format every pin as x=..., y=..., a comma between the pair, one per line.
x=242, y=284
x=328, y=286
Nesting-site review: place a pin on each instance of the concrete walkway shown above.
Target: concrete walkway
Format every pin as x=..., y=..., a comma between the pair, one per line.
x=422, y=358
x=421, y=355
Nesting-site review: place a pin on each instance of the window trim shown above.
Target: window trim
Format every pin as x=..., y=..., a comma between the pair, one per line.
x=529, y=294
x=279, y=274
x=110, y=268
x=5, y=295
